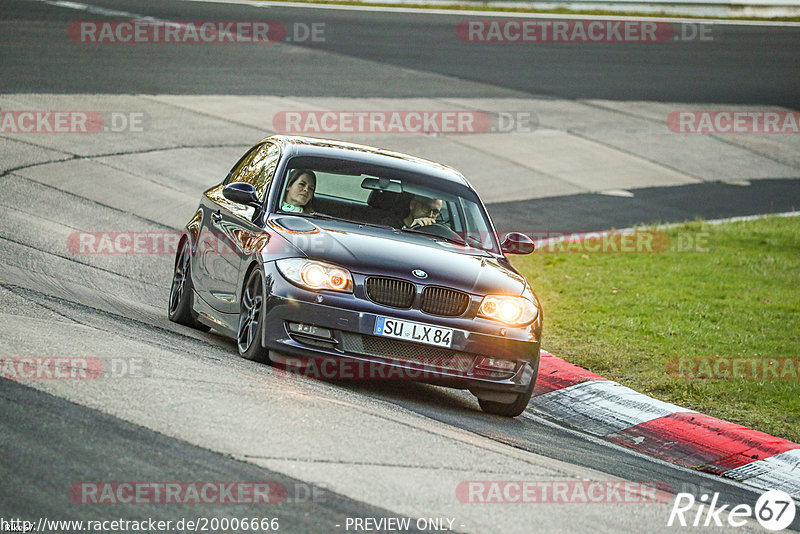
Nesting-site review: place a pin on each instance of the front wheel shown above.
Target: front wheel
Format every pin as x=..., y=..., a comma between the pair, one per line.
x=251, y=318
x=181, y=294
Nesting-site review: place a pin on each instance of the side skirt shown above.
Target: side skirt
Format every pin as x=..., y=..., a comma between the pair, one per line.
x=226, y=323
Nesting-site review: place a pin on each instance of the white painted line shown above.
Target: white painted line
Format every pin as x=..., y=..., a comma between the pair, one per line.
x=602, y=407
x=504, y=14
x=423, y=11
x=743, y=218
x=617, y=193
x=68, y=5
x=116, y=13
x=579, y=236
x=781, y=471
x=97, y=10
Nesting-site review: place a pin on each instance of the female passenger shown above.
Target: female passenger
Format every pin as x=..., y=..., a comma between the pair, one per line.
x=299, y=194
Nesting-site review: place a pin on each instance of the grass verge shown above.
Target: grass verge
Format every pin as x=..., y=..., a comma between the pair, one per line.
x=728, y=291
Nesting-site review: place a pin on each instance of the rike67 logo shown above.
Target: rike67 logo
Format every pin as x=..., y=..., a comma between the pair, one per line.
x=774, y=510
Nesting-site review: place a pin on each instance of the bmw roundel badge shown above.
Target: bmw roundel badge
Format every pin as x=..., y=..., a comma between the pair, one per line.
x=419, y=273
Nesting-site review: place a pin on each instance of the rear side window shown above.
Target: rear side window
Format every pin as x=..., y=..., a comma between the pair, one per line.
x=257, y=168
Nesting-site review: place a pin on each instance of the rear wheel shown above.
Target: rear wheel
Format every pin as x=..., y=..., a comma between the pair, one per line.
x=251, y=318
x=512, y=409
x=181, y=294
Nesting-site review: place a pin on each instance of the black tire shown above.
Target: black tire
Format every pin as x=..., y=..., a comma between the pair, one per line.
x=181, y=294
x=251, y=320
x=509, y=410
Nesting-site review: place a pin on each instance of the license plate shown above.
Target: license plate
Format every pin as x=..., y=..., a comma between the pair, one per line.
x=410, y=331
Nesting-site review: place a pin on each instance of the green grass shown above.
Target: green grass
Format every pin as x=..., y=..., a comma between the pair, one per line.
x=552, y=11
x=625, y=316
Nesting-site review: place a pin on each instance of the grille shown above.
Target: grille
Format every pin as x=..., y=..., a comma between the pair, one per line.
x=390, y=292
x=424, y=355
x=443, y=301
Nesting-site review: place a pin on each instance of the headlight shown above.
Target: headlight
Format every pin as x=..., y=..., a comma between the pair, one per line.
x=315, y=275
x=513, y=311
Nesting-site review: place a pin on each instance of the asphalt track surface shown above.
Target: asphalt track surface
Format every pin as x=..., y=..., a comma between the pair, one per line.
x=740, y=65
x=651, y=205
x=51, y=440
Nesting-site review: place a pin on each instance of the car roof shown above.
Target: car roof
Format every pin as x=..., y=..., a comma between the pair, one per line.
x=329, y=148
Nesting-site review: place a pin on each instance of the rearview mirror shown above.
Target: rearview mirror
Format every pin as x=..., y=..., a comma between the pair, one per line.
x=517, y=243
x=381, y=184
x=242, y=193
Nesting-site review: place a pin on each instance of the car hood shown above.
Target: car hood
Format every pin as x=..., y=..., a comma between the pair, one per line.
x=379, y=251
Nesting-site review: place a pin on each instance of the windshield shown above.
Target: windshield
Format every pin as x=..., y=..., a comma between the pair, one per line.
x=381, y=196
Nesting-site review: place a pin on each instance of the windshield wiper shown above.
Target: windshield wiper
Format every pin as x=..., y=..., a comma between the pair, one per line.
x=453, y=238
x=351, y=221
x=318, y=215
x=374, y=225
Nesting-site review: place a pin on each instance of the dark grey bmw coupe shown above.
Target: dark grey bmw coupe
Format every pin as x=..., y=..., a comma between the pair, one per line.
x=314, y=251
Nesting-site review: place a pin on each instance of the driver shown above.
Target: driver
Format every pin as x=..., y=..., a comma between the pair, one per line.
x=422, y=211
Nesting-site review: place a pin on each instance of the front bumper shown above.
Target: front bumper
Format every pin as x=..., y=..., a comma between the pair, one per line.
x=343, y=331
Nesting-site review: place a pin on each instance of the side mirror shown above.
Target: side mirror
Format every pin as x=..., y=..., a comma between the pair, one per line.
x=242, y=193
x=517, y=243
